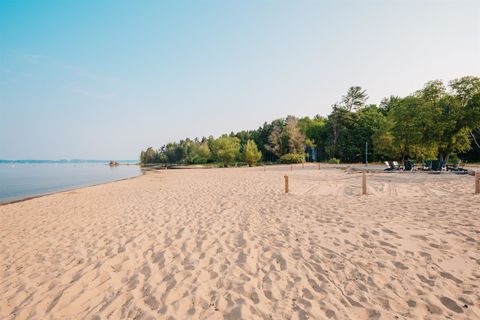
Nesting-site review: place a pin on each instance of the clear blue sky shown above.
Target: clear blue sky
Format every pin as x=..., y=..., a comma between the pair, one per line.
x=104, y=79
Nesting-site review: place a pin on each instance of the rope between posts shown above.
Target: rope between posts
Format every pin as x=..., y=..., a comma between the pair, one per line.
x=409, y=180
x=322, y=180
x=380, y=178
x=372, y=177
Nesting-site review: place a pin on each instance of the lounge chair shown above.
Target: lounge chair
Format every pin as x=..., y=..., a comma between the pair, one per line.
x=437, y=165
x=408, y=165
x=392, y=166
x=456, y=167
x=427, y=165
x=396, y=165
x=389, y=166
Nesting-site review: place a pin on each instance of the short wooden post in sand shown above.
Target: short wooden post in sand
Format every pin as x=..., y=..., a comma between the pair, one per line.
x=319, y=166
x=286, y=184
x=364, y=183
x=477, y=182
x=291, y=167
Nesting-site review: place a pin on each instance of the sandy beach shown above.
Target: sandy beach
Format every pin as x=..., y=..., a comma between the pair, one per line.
x=230, y=244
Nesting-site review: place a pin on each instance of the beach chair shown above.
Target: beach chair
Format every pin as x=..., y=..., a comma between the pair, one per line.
x=427, y=165
x=389, y=166
x=456, y=168
x=396, y=166
x=437, y=165
x=408, y=165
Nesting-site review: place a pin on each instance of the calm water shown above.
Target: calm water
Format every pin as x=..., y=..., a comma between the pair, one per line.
x=19, y=181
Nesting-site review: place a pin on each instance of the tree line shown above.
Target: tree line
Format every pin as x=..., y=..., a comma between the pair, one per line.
x=440, y=121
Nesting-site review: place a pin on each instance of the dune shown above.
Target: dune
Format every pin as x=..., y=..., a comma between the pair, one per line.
x=230, y=244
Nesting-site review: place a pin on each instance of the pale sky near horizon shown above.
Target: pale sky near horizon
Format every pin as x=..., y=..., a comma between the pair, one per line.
x=105, y=79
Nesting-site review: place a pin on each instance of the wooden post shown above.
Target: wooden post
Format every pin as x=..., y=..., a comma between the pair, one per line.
x=319, y=166
x=291, y=167
x=477, y=182
x=286, y=184
x=364, y=183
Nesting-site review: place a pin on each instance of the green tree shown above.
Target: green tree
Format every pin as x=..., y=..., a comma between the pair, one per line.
x=370, y=121
x=457, y=115
x=388, y=103
x=355, y=99
x=276, y=143
x=243, y=136
x=382, y=140
x=340, y=140
x=199, y=153
x=432, y=92
x=465, y=88
x=312, y=128
x=226, y=149
x=149, y=156
x=260, y=136
x=315, y=133
x=412, y=119
x=294, y=137
x=435, y=121
x=450, y=117
x=251, y=154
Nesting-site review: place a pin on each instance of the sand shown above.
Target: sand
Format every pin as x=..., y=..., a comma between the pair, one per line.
x=230, y=244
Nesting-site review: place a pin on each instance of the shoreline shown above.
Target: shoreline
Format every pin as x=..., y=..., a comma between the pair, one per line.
x=145, y=170
x=7, y=202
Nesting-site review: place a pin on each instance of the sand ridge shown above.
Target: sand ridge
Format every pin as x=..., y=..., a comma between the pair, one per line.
x=229, y=244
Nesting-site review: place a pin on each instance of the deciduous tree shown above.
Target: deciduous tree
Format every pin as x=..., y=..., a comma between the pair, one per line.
x=251, y=154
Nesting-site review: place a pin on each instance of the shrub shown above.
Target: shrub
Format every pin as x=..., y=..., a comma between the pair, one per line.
x=291, y=158
x=334, y=161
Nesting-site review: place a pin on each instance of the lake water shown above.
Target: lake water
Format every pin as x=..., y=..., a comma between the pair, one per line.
x=22, y=180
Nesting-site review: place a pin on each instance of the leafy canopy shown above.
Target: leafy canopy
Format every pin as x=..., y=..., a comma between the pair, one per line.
x=251, y=154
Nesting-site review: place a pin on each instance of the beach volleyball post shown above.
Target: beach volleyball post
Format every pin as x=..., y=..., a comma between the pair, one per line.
x=364, y=183
x=477, y=182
